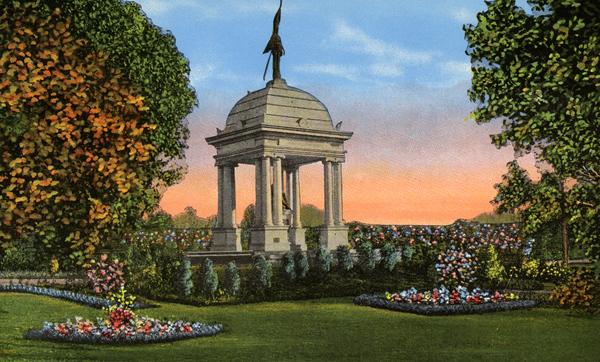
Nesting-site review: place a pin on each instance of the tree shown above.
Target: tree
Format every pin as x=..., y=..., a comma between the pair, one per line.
x=148, y=57
x=539, y=204
x=158, y=220
x=536, y=70
x=73, y=135
x=189, y=219
x=310, y=215
x=246, y=226
x=103, y=62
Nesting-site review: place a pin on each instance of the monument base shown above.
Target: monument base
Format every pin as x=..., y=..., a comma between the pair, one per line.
x=332, y=236
x=270, y=238
x=226, y=240
x=297, y=238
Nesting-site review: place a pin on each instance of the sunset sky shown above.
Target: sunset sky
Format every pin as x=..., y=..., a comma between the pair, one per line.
x=394, y=72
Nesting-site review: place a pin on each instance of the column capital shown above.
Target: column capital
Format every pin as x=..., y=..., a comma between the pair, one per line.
x=333, y=160
x=223, y=163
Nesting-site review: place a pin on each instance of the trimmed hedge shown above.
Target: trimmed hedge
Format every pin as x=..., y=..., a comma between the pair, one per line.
x=377, y=301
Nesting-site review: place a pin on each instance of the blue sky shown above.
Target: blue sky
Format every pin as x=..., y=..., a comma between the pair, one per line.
x=353, y=44
x=396, y=74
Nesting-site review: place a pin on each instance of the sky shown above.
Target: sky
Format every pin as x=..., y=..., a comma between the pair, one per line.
x=394, y=72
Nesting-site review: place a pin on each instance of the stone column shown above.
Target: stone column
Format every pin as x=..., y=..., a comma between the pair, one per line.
x=338, y=196
x=277, y=190
x=296, y=204
x=226, y=235
x=258, y=197
x=219, y=196
x=328, y=193
x=229, y=197
x=265, y=185
x=289, y=192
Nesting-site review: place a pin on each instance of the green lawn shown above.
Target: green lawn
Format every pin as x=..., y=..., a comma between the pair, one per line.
x=326, y=329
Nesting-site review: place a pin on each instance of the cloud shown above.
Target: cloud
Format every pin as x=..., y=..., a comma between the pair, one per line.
x=463, y=15
x=161, y=7
x=213, y=9
x=386, y=70
x=360, y=42
x=264, y=6
x=456, y=71
x=336, y=70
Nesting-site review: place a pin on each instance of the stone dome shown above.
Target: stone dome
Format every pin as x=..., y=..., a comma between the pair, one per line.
x=279, y=105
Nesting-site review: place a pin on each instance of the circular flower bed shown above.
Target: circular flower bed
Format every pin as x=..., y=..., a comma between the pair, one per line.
x=89, y=300
x=441, y=301
x=120, y=330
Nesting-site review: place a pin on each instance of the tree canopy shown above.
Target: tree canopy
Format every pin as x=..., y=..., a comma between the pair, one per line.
x=537, y=71
x=92, y=97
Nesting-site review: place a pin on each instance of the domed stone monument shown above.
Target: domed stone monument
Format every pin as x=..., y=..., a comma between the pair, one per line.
x=278, y=129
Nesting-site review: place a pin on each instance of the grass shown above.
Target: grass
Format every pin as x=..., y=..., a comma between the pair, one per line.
x=324, y=329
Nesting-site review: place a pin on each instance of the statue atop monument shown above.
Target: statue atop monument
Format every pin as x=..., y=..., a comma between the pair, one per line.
x=275, y=46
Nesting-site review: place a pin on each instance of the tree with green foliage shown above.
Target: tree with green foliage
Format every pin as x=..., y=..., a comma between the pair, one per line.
x=189, y=219
x=389, y=256
x=92, y=98
x=158, y=220
x=344, y=258
x=301, y=263
x=366, y=257
x=261, y=274
x=246, y=226
x=323, y=261
x=288, y=267
x=232, y=281
x=539, y=204
x=186, y=284
x=311, y=216
x=537, y=70
x=210, y=279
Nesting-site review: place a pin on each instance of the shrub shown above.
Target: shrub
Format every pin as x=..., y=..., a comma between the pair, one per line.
x=105, y=276
x=210, y=279
x=152, y=266
x=24, y=256
x=344, y=258
x=576, y=293
x=186, y=284
x=407, y=253
x=301, y=265
x=312, y=238
x=366, y=257
x=323, y=260
x=288, y=267
x=495, y=269
x=232, y=279
x=261, y=274
x=389, y=256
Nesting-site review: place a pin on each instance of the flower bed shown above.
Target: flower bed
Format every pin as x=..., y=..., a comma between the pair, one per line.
x=441, y=301
x=138, y=330
x=89, y=300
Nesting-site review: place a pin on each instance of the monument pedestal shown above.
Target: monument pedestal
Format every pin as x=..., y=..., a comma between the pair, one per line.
x=226, y=240
x=297, y=238
x=270, y=238
x=332, y=236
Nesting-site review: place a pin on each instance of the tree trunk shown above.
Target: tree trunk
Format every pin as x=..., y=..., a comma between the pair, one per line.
x=565, y=241
x=563, y=223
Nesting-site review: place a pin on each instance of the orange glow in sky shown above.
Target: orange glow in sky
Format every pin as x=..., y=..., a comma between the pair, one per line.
x=404, y=165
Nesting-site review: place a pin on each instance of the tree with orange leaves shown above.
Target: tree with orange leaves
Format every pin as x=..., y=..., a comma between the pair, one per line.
x=73, y=136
